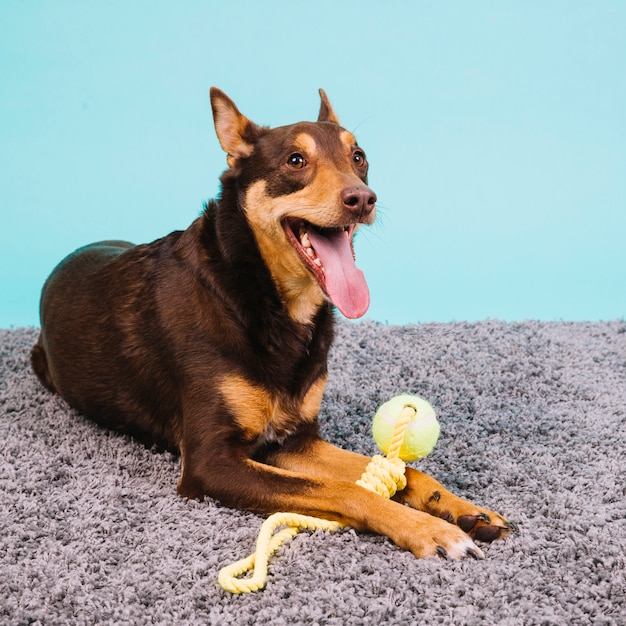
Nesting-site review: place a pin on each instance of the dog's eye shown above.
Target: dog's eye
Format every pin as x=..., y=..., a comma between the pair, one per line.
x=297, y=161
x=359, y=158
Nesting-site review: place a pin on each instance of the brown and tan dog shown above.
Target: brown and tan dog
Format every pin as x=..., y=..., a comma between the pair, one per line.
x=213, y=341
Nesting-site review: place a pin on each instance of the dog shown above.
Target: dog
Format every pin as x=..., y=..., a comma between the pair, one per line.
x=213, y=341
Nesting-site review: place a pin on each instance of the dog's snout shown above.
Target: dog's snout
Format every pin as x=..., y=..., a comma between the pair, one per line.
x=359, y=200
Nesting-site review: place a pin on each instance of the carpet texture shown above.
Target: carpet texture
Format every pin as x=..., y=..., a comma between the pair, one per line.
x=533, y=420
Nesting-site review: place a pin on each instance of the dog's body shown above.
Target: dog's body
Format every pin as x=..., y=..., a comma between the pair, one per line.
x=213, y=341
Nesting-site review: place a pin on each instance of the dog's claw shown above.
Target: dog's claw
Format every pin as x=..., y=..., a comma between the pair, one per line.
x=512, y=526
x=436, y=496
x=475, y=555
x=442, y=552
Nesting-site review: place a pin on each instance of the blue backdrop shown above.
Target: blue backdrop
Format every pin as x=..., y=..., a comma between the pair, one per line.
x=495, y=131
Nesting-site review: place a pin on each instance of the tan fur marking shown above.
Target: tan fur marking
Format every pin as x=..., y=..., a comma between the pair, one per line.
x=261, y=414
x=348, y=139
x=182, y=465
x=251, y=406
x=312, y=399
x=301, y=293
x=306, y=143
x=324, y=460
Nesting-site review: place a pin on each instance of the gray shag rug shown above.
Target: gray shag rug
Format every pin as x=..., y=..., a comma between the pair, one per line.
x=533, y=420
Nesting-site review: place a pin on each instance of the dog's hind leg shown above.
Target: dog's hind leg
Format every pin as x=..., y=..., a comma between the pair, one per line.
x=39, y=363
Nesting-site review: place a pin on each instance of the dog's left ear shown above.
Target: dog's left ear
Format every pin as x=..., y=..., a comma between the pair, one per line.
x=326, y=110
x=236, y=133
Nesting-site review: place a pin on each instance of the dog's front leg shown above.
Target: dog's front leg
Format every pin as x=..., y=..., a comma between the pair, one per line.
x=242, y=482
x=316, y=457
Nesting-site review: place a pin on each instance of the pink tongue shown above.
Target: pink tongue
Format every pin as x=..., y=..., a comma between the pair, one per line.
x=345, y=283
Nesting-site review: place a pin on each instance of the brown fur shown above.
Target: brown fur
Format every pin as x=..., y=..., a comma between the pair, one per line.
x=213, y=341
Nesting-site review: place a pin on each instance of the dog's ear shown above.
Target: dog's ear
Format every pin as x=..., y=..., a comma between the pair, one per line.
x=326, y=110
x=236, y=133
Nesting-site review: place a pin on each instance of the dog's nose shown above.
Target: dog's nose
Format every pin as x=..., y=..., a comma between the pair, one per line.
x=359, y=200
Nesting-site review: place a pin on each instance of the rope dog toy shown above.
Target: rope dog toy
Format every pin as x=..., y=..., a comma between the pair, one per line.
x=405, y=429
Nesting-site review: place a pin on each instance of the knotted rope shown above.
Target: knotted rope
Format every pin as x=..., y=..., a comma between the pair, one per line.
x=383, y=475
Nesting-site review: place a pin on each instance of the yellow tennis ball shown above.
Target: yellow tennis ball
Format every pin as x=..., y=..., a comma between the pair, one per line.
x=421, y=434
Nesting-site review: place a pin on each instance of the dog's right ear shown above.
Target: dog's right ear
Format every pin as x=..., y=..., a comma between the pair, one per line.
x=236, y=133
x=327, y=114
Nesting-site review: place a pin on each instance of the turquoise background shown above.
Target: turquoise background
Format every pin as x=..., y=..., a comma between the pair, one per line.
x=495, y=132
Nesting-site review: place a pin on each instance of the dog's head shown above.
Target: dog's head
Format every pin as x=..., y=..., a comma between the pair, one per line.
x=303, y=189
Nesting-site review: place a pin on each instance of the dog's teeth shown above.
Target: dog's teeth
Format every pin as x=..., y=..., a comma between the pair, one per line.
x=310, y=253
x=317, y=261
x=304, y=239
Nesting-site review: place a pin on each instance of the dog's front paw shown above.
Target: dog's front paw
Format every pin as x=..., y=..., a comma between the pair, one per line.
x=480, y=524
x=424, y=493
x=429, y=536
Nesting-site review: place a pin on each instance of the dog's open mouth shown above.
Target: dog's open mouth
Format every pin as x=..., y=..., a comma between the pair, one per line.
x=329, y=254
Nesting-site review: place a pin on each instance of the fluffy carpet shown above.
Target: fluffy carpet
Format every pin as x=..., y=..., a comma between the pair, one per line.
x=533, y=425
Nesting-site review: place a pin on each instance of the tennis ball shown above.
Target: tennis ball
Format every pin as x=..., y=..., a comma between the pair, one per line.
x=421, y=434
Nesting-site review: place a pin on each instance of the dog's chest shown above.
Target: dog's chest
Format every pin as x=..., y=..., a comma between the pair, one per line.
x=266, y=416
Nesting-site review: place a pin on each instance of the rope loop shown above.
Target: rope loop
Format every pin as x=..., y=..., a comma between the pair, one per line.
x=384, y=476
x=267, y=543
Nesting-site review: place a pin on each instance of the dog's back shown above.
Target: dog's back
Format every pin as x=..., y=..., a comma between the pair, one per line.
x=100, y=347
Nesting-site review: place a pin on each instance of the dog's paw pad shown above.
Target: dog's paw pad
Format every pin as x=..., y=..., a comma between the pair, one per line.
x=468, y=522
x=481, y=527
x=487, y=533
